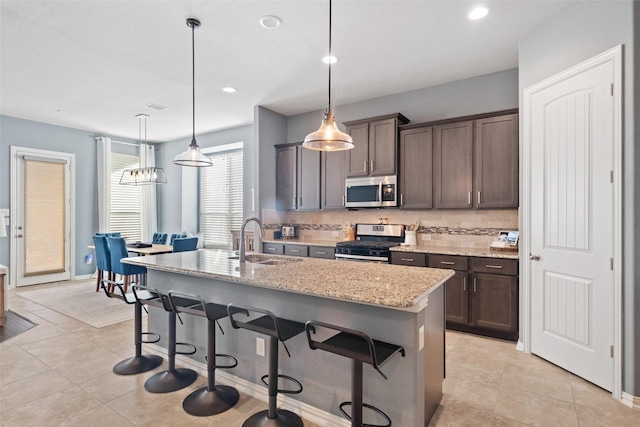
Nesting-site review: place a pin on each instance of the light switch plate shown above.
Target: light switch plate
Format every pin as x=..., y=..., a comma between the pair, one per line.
x=335, y=233
x=260, y=346
x=421, y=338
x=426, y=236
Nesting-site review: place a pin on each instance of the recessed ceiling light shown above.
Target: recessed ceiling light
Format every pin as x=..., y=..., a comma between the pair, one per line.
x=330, y=59
x=270, y=22
x=478, y=13
x=229, y=89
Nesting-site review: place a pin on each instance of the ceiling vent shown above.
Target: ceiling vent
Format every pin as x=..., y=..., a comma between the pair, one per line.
x=156, y=107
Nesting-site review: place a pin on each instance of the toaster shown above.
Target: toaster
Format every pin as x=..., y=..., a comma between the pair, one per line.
x=288, y=231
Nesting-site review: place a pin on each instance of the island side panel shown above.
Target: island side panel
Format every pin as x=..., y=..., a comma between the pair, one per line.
x=326, y=377
x=434, y=346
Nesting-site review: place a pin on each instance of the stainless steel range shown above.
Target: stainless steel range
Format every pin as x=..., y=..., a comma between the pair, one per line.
x=372, y=243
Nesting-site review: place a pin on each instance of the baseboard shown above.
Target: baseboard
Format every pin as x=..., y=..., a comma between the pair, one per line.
x=306, y=411
x=520, y=346
x=630, y=400
x=84, y=276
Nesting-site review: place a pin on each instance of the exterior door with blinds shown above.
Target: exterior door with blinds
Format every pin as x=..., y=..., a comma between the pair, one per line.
x=42, y=215
x=221, y=198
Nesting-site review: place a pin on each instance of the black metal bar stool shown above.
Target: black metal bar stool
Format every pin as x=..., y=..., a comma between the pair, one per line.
x=212, y=399
x=138, y=363
x=359, y=347
x=277, y=329
x=173, y=378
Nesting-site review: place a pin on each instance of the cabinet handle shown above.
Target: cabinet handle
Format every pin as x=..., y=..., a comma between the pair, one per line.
x=464, y=284
x=321, y=253
x=365, y=166
x=407, y=259
x=271, y=249
x=342, y=200
x=371, y=162
x=469, y=198
x=401, y=199
x=499, y=267
x=478, y=198
x=475, y=283
x=294, y=203
x=295, y=250
x=447, y=262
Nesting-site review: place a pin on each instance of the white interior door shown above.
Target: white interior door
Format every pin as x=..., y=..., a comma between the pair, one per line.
x=572, y=223
x=41, y=220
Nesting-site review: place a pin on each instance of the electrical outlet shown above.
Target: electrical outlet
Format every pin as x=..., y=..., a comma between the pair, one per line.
x=421, y=338
x=426, y=236
x=335, y=233
x=89, y=259
x=260, y=346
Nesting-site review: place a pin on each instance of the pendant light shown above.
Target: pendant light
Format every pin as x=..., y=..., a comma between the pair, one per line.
x=145, y=174
x=193, y=156
x=328, y=137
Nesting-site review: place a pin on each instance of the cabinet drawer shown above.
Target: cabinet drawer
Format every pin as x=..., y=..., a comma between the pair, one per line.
x=322, y=252
x=495, y=266
x=296, y=250
x=409, y=258
x=448, y=261
x=273, y=248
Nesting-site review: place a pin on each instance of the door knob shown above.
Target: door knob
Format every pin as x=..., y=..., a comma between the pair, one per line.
x=533, y=257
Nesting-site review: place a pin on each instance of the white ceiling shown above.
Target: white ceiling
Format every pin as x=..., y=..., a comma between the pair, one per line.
x=94, y=64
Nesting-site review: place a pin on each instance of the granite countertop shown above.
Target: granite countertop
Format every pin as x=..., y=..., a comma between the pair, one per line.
x=388, y=285
x=456, y=250
x=331, y=243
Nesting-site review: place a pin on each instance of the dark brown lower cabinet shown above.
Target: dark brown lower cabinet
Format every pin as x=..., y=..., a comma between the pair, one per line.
x=494, y=304
x=457, y=299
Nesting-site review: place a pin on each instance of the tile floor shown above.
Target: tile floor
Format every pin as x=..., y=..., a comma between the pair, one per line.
x=59, y=374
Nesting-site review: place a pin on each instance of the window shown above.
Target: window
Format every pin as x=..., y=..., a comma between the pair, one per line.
x=125, y=199
x=221, y=197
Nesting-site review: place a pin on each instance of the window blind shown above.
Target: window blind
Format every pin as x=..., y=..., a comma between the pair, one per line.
x=125, y=199
x=221, y=198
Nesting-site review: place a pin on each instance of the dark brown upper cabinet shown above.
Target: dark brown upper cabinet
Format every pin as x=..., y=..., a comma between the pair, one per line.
x=297, y=178
x=416, y=168
x=453, y=161
x=496, y=162
x=376, y=145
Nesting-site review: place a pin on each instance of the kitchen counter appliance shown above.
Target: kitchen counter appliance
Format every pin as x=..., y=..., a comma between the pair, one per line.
x=371, y=192
x=372, y=243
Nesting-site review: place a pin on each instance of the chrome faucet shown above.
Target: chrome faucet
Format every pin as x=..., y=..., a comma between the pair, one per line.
x=244, y=224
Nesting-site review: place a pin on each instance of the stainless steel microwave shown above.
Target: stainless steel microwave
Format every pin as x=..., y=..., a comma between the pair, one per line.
x=371, y=192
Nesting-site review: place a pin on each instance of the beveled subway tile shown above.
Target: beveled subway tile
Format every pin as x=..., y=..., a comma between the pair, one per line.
x=100, y=416
x=51, y=409
x=533, y=409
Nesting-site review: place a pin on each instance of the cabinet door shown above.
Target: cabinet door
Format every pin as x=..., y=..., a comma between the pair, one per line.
x=286, y=190
x=383, y=139
x=308, y=179
x=453, y=159
x=496, y=162
x=457, y=298
x=334, y=171
x=416, y=168
x=358, y=156
x=495, y=302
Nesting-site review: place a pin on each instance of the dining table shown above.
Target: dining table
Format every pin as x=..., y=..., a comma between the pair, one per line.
x=154, y=249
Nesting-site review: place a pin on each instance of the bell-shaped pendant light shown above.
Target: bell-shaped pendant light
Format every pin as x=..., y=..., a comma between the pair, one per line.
x=193, y=156
x=328, y=137
x=146, y=173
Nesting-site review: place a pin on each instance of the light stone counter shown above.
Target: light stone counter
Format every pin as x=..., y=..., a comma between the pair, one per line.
x=397, y=304
x=369, y=283
x=456, y=250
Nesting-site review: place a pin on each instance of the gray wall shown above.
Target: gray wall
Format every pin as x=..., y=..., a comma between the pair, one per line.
x=271, y=129
x=170, y=213
x=491, y=92
x=578, y=33
x=26, y=133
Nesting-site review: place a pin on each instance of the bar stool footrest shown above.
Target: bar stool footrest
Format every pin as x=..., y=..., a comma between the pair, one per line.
x=373, y=408
x=286, y=377
x=227, y=356
x=153, y=340
x=193, y=347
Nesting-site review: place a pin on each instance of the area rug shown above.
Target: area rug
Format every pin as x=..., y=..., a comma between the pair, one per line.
x=14, y=324
x=81, y=302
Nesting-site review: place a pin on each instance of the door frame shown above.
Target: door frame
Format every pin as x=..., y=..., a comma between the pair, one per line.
x=613, y=55
x=70, y=158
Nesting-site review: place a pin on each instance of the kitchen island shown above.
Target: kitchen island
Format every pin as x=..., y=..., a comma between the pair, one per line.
x=397, y=304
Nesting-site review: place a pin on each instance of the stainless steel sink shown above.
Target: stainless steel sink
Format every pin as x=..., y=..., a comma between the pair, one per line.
x=264, y=259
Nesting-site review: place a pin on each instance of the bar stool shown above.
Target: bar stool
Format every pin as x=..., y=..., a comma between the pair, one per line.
x=138, y=363
x=173, y=378
x=277, y=329
x=212, y=399
x=359, y=347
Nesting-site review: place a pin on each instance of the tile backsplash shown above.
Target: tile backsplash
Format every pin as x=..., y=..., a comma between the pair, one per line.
x=463, y=228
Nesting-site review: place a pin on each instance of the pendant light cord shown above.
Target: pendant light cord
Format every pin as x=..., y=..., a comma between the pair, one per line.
x=330, y=58
x=193, y=81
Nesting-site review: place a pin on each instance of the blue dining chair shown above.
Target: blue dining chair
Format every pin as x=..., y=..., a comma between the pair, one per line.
x=159, y=239
x=185, y=244
x=118, y=248
x=103, y=259
x=176, y=236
